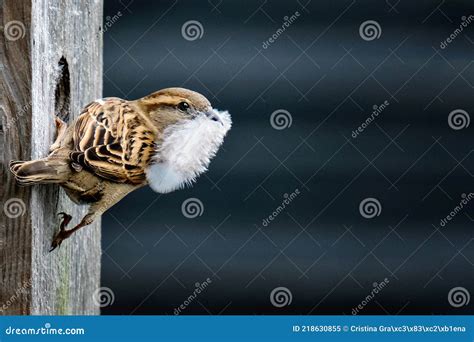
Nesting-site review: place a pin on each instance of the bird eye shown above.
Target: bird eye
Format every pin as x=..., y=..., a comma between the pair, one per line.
x=183, y=106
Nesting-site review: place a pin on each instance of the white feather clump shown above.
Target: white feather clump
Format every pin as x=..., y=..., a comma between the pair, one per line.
x=186, y=151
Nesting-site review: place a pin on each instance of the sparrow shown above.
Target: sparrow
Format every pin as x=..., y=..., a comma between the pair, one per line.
x=164, y=140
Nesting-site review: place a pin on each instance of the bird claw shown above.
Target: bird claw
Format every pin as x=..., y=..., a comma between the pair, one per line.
x=59, y=122
x=65, y=220
x=63, y=233
x=54, y=244
x=61, y=127
x=58, y=239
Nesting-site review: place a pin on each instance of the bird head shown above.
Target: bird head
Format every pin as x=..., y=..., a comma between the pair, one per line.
x=173, y=106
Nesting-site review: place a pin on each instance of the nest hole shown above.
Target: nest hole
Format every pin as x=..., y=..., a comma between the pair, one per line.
x=62, y=94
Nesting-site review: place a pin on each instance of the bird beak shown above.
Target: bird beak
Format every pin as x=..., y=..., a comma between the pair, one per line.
x=214, y=116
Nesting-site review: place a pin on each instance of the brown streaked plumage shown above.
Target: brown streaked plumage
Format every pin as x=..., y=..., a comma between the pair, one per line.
x=109, y=150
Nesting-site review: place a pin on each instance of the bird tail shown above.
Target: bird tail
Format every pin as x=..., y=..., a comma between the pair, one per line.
x=40, y=171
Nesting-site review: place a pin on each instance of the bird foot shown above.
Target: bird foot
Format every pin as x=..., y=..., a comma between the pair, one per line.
x=61, y=127
x=59, y=123
x=63, y=233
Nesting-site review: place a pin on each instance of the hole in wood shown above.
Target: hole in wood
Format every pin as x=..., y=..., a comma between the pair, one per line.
x=62, y=94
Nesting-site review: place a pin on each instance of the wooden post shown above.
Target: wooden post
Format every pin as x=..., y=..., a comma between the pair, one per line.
x=51, y=64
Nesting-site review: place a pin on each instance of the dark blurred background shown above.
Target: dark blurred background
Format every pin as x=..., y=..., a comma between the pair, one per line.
x=328, y=78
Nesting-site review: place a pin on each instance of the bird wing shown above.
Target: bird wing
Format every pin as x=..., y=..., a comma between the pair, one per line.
x=112, y=140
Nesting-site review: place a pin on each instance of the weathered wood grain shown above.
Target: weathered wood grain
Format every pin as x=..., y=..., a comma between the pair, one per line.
x=55, y=68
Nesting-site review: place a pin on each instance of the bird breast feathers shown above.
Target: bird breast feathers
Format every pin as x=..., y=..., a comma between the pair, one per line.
x=186, y=151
